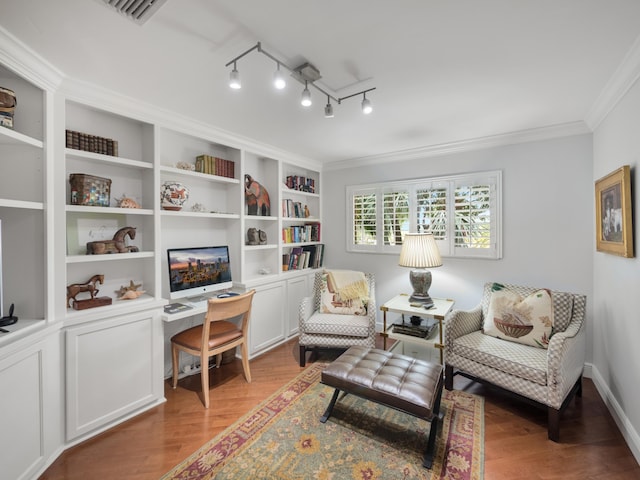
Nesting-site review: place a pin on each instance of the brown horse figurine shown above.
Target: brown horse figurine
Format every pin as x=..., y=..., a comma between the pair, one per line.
x=117, y=245
x=257, y=197
x=90, y=286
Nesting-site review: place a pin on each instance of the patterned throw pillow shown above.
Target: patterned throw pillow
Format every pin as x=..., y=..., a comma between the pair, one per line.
x=524, y=320
x=332, y=303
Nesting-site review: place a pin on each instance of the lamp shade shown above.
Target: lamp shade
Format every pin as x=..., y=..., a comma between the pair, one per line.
x=419, y=250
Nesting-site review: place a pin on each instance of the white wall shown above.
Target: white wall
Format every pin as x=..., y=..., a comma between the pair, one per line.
x=547, y=221
x=616, y=280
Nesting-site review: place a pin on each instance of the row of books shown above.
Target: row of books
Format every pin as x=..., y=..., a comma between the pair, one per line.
x=293, y=209
x=301, y=233
x=215, y=166
x=303, y=184
x=91, y=143
x=309, y=256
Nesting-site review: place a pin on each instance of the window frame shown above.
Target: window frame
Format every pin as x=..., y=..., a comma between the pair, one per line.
x=447, y=246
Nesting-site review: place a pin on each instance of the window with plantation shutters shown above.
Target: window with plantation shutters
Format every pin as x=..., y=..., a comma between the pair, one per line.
x=463, y=212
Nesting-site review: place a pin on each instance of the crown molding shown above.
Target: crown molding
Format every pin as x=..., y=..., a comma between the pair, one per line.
x=624, y=77
x=522, y=136
x=23, y=61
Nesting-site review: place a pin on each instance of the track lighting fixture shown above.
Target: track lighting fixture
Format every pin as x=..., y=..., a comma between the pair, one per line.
x=278, y=79
x=367, y=108
x=306, y=74
x=234, y=78
x=328, y=109
x=306, y=96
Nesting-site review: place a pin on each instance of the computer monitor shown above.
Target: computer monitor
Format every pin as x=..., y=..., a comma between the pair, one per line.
x=195, y=272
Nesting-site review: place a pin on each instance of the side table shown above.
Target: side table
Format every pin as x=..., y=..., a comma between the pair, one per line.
x=400, y=304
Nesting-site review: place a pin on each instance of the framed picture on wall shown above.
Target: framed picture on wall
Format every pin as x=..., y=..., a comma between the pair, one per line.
x=614, y=231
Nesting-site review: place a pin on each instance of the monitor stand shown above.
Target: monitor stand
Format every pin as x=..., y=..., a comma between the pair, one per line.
x=198, y=298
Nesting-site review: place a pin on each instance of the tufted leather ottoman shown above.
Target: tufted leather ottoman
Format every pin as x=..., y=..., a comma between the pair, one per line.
x=397, y=381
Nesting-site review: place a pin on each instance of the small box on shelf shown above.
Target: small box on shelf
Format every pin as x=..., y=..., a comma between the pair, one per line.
x=89, y=190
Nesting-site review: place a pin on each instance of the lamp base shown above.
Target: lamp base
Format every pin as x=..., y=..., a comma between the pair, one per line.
x=424, y=300
x=421, y=282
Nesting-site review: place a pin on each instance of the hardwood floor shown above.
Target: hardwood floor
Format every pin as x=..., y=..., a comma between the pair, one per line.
x=516, y=445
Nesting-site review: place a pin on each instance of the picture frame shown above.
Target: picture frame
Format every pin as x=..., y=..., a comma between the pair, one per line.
x=614, y=229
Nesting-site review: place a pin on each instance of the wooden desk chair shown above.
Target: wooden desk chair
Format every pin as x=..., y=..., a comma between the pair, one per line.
x=216, y=335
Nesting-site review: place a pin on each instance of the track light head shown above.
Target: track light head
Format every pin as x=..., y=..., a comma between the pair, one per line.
x=367, y=108
x=278, y=79
x=328, y=109
x=234, y=78
x=306, y=96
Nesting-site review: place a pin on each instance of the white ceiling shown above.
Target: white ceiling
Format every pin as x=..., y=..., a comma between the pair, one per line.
x=445, y=71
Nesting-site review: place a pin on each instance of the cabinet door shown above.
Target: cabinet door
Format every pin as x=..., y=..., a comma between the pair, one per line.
x=30, y=403
x=297, y=289
x=114, y=367
x=267, y=317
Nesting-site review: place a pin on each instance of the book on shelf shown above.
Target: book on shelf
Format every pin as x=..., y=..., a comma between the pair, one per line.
x=215, y=166
x=299, y=258
x=300, y=183
x=309, y=232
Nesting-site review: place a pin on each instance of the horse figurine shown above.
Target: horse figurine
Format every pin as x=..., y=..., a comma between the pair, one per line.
x=117, y=245
x=257, y=197
x=90, y=286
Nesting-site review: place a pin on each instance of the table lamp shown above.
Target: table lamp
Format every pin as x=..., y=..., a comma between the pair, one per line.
x=419, y=252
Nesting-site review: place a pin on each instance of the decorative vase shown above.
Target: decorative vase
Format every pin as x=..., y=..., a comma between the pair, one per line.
x=173, y=195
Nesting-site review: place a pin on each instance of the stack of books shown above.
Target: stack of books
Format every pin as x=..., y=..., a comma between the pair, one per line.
x=421, y=331
x=215, y=166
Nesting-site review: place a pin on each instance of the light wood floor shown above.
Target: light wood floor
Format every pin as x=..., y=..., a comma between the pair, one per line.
x=516, y=445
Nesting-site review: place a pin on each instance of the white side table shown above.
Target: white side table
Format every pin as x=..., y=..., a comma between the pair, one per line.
x=400, y=304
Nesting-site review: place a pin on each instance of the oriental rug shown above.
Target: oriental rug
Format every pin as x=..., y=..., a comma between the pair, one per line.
x=283, y=438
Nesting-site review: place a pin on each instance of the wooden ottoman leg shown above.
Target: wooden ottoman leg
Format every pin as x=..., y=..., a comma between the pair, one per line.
x=429, y=453
x=329, y=409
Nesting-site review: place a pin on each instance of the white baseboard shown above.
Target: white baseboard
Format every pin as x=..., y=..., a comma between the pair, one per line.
x=617, y=412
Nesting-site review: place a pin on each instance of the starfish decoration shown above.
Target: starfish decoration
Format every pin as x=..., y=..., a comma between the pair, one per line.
x=131, y=288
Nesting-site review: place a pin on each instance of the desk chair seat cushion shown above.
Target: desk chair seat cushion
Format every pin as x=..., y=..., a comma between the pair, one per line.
x=338, y=324
x=221, y=332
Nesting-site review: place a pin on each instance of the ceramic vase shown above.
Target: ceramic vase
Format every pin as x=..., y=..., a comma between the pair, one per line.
x=173, y=195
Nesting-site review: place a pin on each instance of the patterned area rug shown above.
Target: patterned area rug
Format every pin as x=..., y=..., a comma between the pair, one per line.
x=283, y=438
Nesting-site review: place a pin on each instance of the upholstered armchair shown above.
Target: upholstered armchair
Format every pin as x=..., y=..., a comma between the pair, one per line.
x=548, y=377
x=326, y=324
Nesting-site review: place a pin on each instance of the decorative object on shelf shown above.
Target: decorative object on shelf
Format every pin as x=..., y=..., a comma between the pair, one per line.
x=186, y=166
x=256, y=197
x=614, y=219
x=173, y=195
x=306, y=74
x=215, y=166
x=419, y=252
x=256, y=237
x=117, y=245
x=306, y=212
x=130, y=292
x=198, y=207
x=89, y=190
x=252, y=236
x=8, y=102
x=127, y=202
x=264, y=271
x=90, y=287
x=91, y=143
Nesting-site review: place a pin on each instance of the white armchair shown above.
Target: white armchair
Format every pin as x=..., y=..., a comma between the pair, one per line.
x=547, y=377
x=335, y=330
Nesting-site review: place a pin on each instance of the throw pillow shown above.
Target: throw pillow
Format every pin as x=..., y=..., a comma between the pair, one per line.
x=330, y=302
x=524, y=320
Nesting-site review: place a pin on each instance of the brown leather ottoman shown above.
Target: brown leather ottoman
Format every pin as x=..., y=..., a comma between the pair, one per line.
x=397, y=381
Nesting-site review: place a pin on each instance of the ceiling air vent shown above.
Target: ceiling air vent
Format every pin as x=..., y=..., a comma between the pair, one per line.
x=138, y=11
